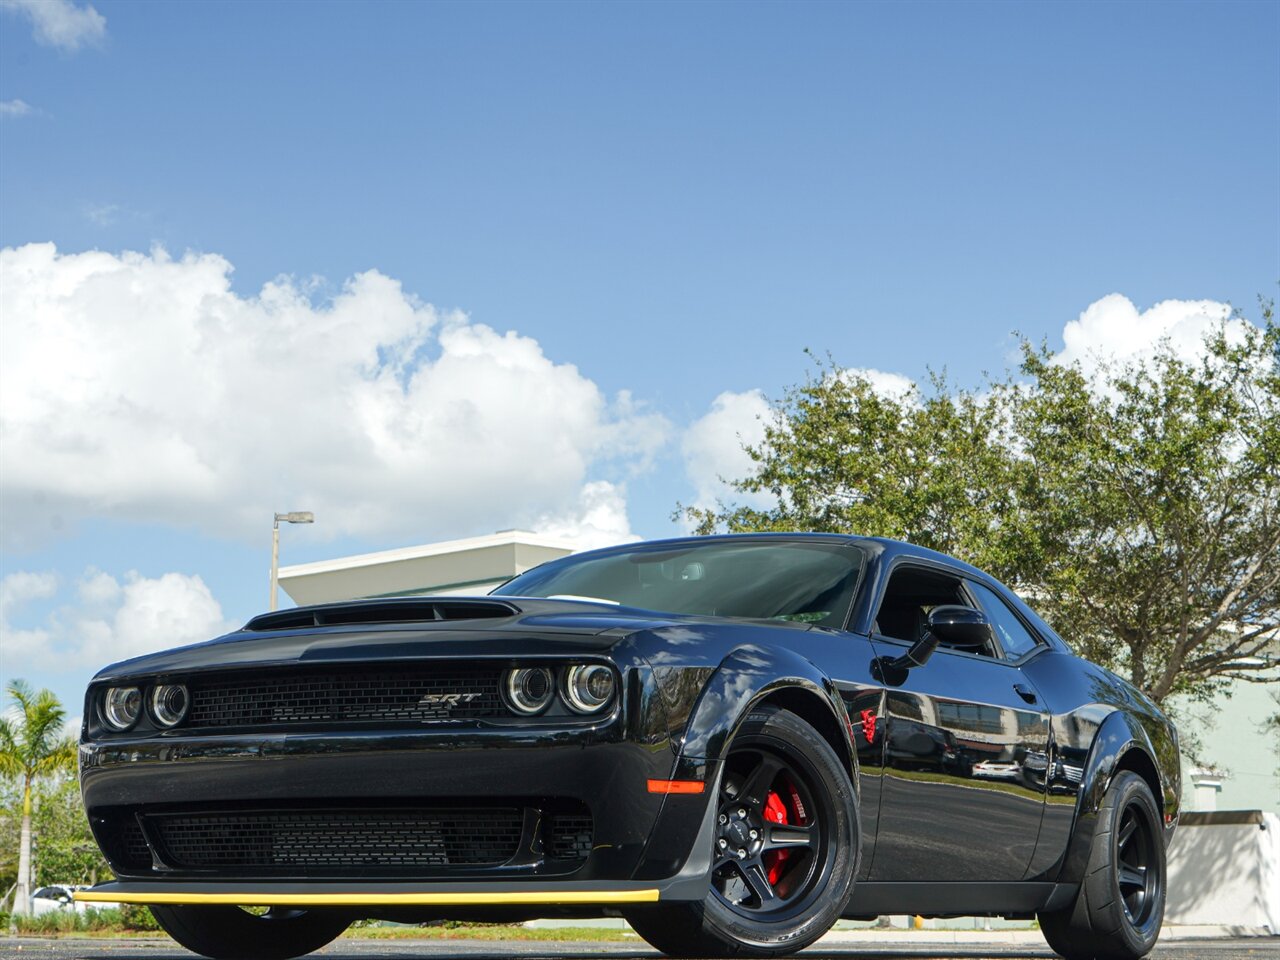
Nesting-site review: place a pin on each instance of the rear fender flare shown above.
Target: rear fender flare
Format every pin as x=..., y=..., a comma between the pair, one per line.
x=1118, y=734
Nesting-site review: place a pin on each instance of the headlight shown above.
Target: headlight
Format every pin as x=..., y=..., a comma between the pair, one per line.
x=528, y=690
x=588, y=687
x=169, y=702
x=121, y=706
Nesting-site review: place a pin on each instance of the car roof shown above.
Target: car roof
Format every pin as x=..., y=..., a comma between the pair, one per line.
x=883, y=546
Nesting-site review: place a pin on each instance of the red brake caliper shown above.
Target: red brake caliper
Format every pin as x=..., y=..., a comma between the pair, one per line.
x=775, y=811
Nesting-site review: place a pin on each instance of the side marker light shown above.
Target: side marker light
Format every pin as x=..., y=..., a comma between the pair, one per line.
x=676, y=786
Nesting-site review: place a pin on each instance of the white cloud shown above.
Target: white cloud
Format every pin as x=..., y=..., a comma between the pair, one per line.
x=60, y=23
x=24, y=586
x=139, y=386
x=14, y=108
x=890, y=385
x=17, y=590
x=713, y=447
x=597, y=519
x=109, y=619
x=1114, y=329
x=102, y=214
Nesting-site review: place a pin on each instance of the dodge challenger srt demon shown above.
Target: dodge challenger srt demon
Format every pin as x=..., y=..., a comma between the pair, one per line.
x=730, y=741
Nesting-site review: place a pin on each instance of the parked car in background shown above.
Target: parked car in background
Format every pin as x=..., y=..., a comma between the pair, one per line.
x=53, y=899
x=61, y=897
x=734, y=741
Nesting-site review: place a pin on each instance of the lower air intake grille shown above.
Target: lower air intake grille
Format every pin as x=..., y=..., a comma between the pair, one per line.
x=129, y=846
x=569, y=836
x=339, y=841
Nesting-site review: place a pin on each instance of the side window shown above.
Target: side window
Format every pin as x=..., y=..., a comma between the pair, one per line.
x=912, y=592
x=1014, y=637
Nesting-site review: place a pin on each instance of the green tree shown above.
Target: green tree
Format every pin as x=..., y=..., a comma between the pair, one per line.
x=1137, y=506
x=1156, y=498
x=32, y=749
x=842, y=456
x=65, y=850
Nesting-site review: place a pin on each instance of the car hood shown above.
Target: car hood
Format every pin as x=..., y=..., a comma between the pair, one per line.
x=409, y=628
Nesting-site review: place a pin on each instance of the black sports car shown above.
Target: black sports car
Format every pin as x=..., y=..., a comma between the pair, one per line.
x=731, y=741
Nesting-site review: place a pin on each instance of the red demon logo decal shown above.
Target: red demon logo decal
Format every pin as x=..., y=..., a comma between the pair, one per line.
x=869, y=725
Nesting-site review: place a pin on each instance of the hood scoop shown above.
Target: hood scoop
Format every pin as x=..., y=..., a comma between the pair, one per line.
x=407, y=610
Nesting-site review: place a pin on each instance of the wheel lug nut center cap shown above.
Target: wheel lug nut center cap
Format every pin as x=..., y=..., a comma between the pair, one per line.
x=737, y=832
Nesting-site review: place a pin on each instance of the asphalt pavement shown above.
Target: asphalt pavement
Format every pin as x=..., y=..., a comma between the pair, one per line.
x=29, y=948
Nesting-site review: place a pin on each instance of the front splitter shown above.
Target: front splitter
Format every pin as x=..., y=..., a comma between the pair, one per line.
x=364, y=895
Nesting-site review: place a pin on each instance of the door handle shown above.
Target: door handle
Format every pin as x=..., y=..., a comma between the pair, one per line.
x=1025, y=692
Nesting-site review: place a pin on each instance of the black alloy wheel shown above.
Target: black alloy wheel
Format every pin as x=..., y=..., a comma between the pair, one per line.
x=1118, y=912
x=774, y=844
x=786, y=848
x=1135, y=854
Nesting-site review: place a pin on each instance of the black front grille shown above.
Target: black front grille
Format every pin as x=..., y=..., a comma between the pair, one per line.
x=420, y=694
x=342, y=842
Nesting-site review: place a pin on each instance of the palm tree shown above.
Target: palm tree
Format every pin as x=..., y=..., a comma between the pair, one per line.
x=32, y=746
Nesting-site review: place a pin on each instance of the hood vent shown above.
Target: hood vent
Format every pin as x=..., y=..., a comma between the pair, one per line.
x=382, y=611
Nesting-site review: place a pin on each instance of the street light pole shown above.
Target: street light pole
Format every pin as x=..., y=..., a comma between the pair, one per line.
x=297, y=516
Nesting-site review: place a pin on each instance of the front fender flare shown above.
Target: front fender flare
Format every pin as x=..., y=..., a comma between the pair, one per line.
x=747, y=677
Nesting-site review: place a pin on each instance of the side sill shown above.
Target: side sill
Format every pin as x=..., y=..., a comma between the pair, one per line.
x=372, y=894
x=871, y=900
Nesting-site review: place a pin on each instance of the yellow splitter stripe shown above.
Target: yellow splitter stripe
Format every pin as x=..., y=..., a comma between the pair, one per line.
x=262, y=898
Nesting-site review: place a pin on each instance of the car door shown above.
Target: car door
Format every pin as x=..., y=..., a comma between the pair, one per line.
x=966, y=744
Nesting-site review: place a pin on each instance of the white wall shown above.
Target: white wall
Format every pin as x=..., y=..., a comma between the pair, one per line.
x=1226, y=874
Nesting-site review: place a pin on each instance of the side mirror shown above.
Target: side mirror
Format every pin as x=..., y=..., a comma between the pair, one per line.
x=950, y=624
x=958, y=626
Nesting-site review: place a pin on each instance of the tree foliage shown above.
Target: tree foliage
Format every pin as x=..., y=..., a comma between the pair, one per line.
x=63, y=848
x=1136, y=505
x=33, y=750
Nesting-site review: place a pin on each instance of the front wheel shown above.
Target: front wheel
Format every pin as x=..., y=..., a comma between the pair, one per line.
x=1120, y=906
x=786, y=850
x=234, y=933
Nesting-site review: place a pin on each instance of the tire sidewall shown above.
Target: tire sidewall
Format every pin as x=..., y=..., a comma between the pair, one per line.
x=1130, y=788
x=230, y=933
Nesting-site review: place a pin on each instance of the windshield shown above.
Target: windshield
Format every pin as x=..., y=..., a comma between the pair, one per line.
x=773, y=580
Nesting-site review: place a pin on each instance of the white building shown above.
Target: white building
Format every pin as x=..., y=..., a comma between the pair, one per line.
x=455, y=567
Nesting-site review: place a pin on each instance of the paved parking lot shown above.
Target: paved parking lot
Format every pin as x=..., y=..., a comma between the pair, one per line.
x=156, y=949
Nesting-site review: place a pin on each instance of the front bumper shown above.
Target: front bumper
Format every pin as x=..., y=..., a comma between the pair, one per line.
x=639, y=851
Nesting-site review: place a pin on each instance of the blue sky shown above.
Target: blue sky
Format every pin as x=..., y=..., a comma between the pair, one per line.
x=668, y=202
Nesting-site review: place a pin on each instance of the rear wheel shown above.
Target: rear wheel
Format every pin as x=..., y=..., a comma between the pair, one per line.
x=234, y=933
x=1120, y=906
x=786, y=848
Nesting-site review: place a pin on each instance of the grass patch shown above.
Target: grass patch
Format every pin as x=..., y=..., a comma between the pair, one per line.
x=131, y=921
x=134, y=922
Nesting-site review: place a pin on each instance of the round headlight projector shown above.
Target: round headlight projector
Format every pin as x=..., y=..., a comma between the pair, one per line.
x=529, y=689
x=121, y=707
x=588, y=687
x=169, y=702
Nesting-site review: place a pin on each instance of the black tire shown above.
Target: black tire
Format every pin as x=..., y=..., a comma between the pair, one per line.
x=767, y=904
x=1120, y=906
x=231, y=933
